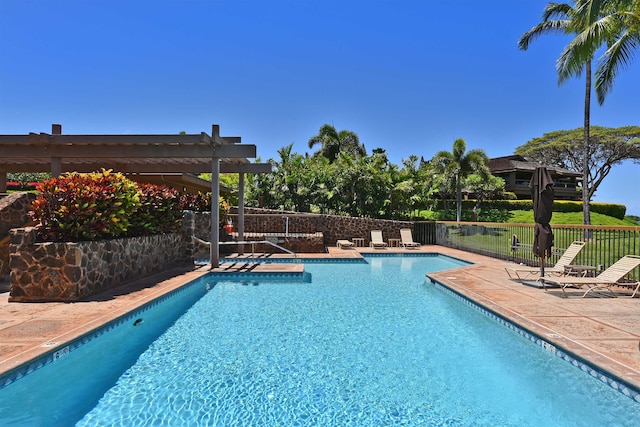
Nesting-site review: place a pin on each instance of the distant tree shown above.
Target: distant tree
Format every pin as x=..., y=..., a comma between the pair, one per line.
x=270, y=190
x=457, y=165
x=230, y=181
x=362, y=186
x=405, y=193
x=290, y=187
x=332, y=143
x=566, y=19
x=484, y=187
x=607, y=147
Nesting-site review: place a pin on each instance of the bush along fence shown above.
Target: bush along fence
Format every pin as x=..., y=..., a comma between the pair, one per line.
x=611, y=209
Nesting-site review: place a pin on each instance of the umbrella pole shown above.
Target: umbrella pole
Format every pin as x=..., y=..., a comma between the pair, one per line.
x=542, y=266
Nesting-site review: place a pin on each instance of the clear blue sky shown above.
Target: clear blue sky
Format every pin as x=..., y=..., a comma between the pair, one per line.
x=409, y=76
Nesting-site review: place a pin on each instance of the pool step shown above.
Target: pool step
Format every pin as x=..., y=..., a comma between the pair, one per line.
x=269, y=271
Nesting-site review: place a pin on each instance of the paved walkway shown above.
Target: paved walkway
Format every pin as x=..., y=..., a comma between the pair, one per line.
x=604, y=331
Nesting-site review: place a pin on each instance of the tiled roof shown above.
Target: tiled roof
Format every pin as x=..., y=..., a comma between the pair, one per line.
x=518, y=163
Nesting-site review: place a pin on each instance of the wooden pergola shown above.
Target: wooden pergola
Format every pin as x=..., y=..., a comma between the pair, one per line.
x=136, y=154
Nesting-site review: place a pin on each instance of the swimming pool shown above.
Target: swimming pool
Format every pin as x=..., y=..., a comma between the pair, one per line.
x=360, y=344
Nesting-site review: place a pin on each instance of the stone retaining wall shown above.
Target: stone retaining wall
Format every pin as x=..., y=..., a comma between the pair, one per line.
x=307, y=232
x=71, y=271
x=14, y=212
x=333, y=227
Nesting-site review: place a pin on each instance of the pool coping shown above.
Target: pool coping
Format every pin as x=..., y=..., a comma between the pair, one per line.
x=30, y=330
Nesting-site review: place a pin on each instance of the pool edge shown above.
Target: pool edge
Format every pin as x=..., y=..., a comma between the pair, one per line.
x=609, y=378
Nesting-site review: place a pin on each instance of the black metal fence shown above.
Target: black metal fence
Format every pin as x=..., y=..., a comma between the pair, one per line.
x=604, y=244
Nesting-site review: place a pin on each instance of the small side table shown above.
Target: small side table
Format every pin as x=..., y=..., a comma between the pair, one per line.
x=580, y=270
x=358, y=241
x=394, y=243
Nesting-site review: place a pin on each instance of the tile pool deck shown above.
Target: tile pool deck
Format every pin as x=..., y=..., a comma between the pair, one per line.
x=603, y=331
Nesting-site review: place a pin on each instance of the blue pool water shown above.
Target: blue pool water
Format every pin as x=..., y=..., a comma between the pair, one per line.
x=360, y=344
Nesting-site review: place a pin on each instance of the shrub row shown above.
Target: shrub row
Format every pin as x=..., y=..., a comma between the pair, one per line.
x=104, y=204
x=609, y=209
x=21, y=186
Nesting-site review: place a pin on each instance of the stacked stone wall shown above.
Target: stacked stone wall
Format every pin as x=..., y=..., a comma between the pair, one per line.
x=305, y=229
x=70, y=271
x=14, y=212
x=333, y=227
x=298, y=243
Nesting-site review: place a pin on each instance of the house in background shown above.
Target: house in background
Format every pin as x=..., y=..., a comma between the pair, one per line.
x=517, y=172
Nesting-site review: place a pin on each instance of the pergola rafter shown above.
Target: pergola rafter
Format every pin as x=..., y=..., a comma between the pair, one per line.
x=135, y=154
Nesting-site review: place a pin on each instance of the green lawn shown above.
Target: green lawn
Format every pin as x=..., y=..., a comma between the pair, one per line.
x=525, y=217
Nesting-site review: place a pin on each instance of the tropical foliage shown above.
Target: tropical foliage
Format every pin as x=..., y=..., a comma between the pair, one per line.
x=614, y=23
x=571, y=20
x=101, y=205
x=201, y=202
x=333, y=143
x=25, y=180
x=457, y=165
x=593, y=23
x=159, y=211
x=85, y=206
x=363, y=185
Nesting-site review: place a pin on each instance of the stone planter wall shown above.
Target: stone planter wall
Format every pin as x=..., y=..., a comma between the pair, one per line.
x=71, y=271
x=14, y=212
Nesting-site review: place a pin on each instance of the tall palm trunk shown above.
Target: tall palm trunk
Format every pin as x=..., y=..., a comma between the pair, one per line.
x=458, y=198
x=586, y=210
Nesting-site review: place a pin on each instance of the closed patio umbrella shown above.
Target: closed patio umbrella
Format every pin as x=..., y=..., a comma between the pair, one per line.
x=541, y=186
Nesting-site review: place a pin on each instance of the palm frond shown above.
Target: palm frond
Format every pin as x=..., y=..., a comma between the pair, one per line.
x=616, y=57
x=543, y=28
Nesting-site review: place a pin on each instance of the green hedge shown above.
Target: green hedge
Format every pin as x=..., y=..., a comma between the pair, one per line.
x=609, y=209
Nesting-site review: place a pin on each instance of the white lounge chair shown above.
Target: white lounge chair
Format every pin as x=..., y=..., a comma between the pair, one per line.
x=344, y=244
x=407, y=239
x=603, y=281
x=376, y=240
x=559, y=269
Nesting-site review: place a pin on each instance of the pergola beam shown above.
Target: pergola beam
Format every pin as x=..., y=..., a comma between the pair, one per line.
x=142, y=167
x=127, y=151
x=181, y=153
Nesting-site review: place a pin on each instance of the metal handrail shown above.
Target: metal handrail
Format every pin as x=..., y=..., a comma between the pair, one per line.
x=251, y=242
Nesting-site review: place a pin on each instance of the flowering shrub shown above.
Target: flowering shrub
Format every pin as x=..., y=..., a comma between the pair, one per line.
x=17, y=186
x=90, y=206
x=104, y=204
x=25, y=181
x=200, y=202
x=159, y=211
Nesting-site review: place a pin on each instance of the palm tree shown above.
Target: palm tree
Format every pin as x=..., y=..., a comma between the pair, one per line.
x=333, y=143
x=458, y=165
x=565, y=19
x=618, y=25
